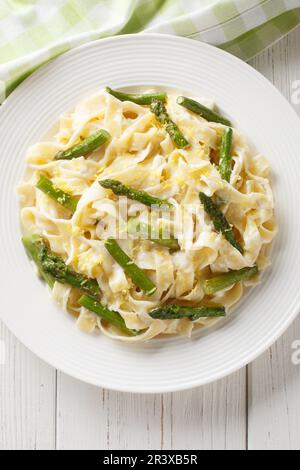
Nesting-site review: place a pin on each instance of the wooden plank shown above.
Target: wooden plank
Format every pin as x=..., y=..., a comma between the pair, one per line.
x=80, y=424
x=133, y=422
x=208, y=418
x=211, y=417
x=93, y=418
x=27, y=398
x=274, y=381
x=274, y=388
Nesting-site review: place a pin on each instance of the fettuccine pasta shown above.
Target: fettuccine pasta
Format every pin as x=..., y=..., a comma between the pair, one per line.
x=142, y=155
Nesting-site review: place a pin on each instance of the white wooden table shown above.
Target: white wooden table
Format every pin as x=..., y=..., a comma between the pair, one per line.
x=256, y=408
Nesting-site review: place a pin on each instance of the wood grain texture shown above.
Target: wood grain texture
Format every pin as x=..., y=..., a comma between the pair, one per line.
x=44, y=409
x=92, y=418
x=274, y=381
x=207, y=418
x=79, y=422
x=27, y=398
x=212, y=417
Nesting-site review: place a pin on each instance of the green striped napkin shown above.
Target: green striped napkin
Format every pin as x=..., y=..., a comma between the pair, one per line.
x=34, y=31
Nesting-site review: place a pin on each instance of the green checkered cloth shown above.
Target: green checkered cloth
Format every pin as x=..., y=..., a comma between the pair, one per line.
x=34, y=31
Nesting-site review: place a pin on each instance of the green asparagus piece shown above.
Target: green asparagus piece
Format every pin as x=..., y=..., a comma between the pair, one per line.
x=220, y=222
x=142, y=99
x=160, y=111
x=225, y=154
x=142, y=196
x=34, y=249
x=144, y=231
x=111, y=316
x=223, y=281
x=53, y=267
x=131, y=269
x=202, y=110
x=87, y=146
x=63, y=198
x=173, y=312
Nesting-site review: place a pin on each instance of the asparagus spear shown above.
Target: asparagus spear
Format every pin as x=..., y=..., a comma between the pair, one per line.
x=63, y=198
x=88, y=145
x=160, y=111
x=220, y=222
x=173, y=312
x=53, y=267
x=225, y=154
x=142, y=230
x=142, y=99
x=34, y=249
x=131, y=269
x=202, y=110
x=221, y=282
x=142, y=196
x=109, y=315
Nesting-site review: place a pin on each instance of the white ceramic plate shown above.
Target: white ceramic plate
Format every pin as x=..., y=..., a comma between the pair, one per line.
x=256, y=108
